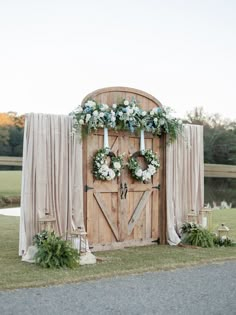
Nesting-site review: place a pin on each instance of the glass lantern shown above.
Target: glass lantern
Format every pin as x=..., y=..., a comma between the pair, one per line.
x=223, y=231
x=205, y=218
x=79, y=240
x=192, y=217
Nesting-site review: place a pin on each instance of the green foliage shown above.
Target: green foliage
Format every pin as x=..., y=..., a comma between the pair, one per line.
x=222, y=241
x=39, y=238
x=197, y=236
x=54, y=252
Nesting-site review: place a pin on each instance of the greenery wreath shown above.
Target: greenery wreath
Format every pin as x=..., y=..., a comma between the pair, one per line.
x=152, y=165
x=101, y=169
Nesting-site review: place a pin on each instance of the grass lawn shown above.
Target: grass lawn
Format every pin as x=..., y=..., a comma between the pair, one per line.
x=228, y=217
x=11, y=183
x=17, y=274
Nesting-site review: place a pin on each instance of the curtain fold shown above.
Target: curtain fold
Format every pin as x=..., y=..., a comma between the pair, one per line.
x=185, y=179
x=51, y=176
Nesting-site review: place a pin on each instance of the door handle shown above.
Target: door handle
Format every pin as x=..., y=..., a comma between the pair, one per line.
x=125, y=190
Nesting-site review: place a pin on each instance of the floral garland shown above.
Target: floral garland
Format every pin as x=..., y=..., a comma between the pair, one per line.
x=152, y=165
x=126, y=115
x=103, y=171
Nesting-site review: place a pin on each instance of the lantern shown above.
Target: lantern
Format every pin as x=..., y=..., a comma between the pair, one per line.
x=223, y=231
x=192, y=217
x=47, y=222
x=205, y=218
x=79, y=240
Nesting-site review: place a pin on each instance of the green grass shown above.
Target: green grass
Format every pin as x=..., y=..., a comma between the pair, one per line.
x=10, y=183
x=228, y=217
x=17, y=274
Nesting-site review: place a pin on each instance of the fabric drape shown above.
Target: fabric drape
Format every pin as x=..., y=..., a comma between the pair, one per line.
x=185, y=179
x=51, y=176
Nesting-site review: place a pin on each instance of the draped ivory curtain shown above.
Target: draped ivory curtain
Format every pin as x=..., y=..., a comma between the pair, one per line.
x=51, y=176
x=184, y=179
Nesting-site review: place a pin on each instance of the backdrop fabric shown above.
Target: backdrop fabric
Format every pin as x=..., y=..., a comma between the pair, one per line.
x=52, y=181
x=185, y=179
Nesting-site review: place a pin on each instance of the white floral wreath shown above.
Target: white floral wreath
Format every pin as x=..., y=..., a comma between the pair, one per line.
x=101, y=169
x=152, y=165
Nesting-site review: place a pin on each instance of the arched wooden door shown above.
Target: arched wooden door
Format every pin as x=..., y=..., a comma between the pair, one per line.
x=112, y=216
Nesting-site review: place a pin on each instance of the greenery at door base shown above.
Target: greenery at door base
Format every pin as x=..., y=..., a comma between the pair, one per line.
x=54, y=252
x=126, y=115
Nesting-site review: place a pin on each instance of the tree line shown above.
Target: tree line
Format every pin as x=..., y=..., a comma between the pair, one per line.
x=219, y=135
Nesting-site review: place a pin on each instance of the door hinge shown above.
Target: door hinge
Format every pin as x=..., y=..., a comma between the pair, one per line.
x=86, y=188
x=157, y=187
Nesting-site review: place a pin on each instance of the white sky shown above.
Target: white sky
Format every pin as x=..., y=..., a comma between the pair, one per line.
x=55, y=52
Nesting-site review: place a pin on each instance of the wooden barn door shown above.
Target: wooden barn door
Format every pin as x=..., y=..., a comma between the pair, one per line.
x=123, y=210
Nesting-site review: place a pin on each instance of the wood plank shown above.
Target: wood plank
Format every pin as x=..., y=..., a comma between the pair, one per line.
x=105, y=211
x=138, y=210
x=219, y=170
x=11, y=160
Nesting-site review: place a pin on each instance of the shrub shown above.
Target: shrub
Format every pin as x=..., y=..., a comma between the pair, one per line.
x=193, y=234
x=54, y=252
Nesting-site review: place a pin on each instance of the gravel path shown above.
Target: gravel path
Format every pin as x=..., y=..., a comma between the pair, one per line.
x=202, y=290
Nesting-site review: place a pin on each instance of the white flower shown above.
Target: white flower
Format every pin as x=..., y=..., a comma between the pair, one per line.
x=114, y=106
x=138, y=172
x=117, y=165
x=151, y=169
x=155, y=120
x=146, y=175
x=113, y=118
x=126, y=102
x=113, y=113
x=95, y=113
x=105, y=106
x=79, y=109
x=111, y=174
x=152, y=112
x=144, y=113
x=120, y=113
x=81, y=121
x=90, y=104
x=101, y=115
x=88, y=116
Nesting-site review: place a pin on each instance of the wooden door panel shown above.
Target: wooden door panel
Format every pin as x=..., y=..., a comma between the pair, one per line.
x=137, y=217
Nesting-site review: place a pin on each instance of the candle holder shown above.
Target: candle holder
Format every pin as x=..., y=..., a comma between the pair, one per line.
x=79, y=240
x=192, y=217
x=223, y=231
x=47, y=222
x=205, y=218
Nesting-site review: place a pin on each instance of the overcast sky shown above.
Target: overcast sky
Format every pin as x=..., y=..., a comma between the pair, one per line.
x=53, y=53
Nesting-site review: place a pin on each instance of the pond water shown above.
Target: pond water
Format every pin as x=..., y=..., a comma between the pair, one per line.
x=10, y=211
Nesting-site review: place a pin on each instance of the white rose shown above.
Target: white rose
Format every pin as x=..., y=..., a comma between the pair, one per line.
x=101, y=115
x=144, y=113
x=138, y=172
x=88, y=116
x=151, y=169
x=155, y=120
x=117, y=165
x=120, y=113
x=113, y=118
x=105, y=106
x=91, y=103
x=79, y=109
x=114, y=106
x=126, y=102
x=81, y=121
x=152, y=112
x=95, y=113
x=111, y=174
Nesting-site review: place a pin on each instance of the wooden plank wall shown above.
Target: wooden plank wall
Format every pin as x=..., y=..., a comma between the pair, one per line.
x=210, y=170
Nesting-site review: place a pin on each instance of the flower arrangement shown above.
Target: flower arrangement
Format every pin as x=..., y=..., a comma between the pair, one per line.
x=126, y=115
x=101, y=169
x=152, y=165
